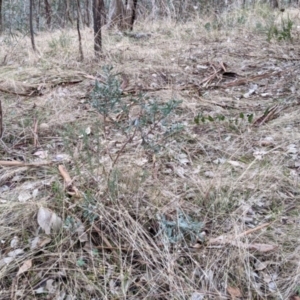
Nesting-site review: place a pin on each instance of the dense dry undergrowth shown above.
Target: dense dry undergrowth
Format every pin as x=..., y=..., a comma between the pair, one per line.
x=140, y=199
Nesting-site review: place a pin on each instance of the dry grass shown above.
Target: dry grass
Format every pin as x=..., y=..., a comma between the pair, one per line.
x=228, y=174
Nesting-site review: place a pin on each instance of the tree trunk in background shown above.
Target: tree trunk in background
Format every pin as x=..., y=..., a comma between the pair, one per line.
x=78, y=31
x=103, y=14
x=133, y=16
x=48, y=13
x=274, y=4
x=38, y=15
x=87, y=19
x=1, y=21
x=116, y=14
x=67, y=12
x=1, y=121
x=154, y=9
x=127, y=15
x=31, y=24
x=98, y=6
x=61, y=13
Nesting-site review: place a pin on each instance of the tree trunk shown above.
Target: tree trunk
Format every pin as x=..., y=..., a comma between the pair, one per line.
x=48, y=13
x=274, y=4
x=116, y=14
x=78, y=31
x=133, y=16
x=67, y=12
x=31, y=24
x=97, y=10
x=1, y=21
x=38, y=15
x=87, y=13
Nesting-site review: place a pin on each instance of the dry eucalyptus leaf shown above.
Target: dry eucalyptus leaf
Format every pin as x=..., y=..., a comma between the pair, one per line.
x=141, y=162
x=39, y=242
x=48, y=220
x=35, y=193
x=236, y=163
x=44, y=218
x=50, y=286
x=180, y=172
x=25, y=267
x=197, y=246
x=41, y=154
x=40, y=290
x=209, y=174
x=259, y=154
x=82, y=236
x=5, y=261
x=234, y=292
x=183, y=159
x=56, y=222
x=197, y=296
x=262, y=247
x=44, y=127
x=24, y=196
x=292, y=149
x=251, y=91
x=34, y=243
x=15, y=253
x=62, y=157
x=14, y=242
x=259, y=266
x=88, y=130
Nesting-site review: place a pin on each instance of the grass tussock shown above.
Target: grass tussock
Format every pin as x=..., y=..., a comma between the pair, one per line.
x=169, y=169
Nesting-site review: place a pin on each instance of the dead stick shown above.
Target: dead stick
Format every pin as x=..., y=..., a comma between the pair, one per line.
x=227, y=239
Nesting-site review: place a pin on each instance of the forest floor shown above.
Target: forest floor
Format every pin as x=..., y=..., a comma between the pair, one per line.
x=168, y=169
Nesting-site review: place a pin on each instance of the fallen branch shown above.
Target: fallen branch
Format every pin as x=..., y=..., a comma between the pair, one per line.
x=14, y=163
x=232, y=240
x=71, y=189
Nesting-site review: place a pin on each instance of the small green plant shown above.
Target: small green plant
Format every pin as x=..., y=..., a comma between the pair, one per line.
x=183, y=228
x=153, y=124
x=53, y=44
x=80, y=262
x=297, y=290
x=219, y=118
x=63, y=41
x=234, y=21
x=212, y=26
x=282, y=32
x=154, y=115
x=241, y=20
x=89, y=206
x=107, y=94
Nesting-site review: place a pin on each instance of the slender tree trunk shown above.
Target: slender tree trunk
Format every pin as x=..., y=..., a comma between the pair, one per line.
x=103, y=14
x=133, y=16
x=117, y=14
x=38, y=15
x=97, y=9
x=31, y=24
x=78, y=31
x=1, y=21
x=68, y=15
x=1, y=121
x=87, y=13
x=274, y=4
x=48, y=13
x=61, y=13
